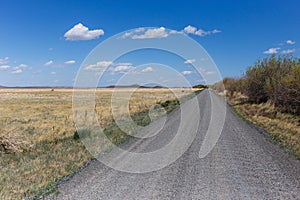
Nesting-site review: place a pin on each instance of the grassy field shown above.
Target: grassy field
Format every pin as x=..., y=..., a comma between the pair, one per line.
x=282, y=126
x=37, y=141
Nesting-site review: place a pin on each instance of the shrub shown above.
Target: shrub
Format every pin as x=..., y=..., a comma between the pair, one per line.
x=275, y=80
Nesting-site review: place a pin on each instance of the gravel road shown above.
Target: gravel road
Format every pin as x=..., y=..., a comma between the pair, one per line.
x=242, y=165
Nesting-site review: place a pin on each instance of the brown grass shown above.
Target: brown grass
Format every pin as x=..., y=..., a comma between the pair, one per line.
x=36, y=134
x=284, y=127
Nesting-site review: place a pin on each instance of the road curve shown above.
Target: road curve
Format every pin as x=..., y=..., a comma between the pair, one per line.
x=242, y=165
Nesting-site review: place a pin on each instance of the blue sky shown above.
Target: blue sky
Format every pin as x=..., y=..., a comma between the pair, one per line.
x=40, y=47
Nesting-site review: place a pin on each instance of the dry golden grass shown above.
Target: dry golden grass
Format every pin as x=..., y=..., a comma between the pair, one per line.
x=36, y=134
x=284, y=127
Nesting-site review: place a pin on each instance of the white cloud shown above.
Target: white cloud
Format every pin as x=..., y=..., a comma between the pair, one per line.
x=152, y=33
x=272, y=50
x=81, y=32
x=186, y=72
x=142, y=33
x=201, y=33
x=138, y=30
x=210, y=72
x=190, y=29
x=147, y=69
x=128, y=34
x=49, y=63
x=189, y=61
x=193, y=30
x=162, y=32
x=215, y=31
x=175, y=32
x=17, y=71
x=110, y=66
x=288, y=51
x=53, y=73
x=122, y=68
x=23, y=66
x=290, y=42
x=99, y=66
x=4, y=61
x=70, y=62
x=206, y=72
x=4, y=67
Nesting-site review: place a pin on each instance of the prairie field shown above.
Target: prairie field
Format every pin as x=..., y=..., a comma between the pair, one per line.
x=37, y=133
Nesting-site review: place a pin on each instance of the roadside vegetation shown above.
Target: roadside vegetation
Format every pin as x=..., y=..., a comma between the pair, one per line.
x=268, y=95
x=39, y=143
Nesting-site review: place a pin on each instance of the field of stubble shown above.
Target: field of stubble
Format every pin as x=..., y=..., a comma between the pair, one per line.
x=37, y=140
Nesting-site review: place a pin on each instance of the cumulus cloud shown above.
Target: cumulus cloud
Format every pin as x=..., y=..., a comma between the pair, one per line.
x=81, y=32
x=122, y=68
x=17, y=71
x=152, y=33
x=190, y=29
x=162, y=32
x=49, y=63
x=4, y=67
x=215, y=31
x=70, y=62
x=186, y=72
x=288, y=51
x=189, y=61
x=272, y=50
x=199, y=32
x=142, y=33
x=110, y=66
x=99, y=66
x=4, y=61
x=147, y=69
x=138, y=30
x=22, y=66
x=175, y=32
x=290, y=42
x=129, y=34
x=206, y=72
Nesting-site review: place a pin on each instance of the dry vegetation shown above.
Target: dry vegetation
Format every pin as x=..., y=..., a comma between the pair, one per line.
x=282, y=126
x=37, y=140
x=268, y=94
